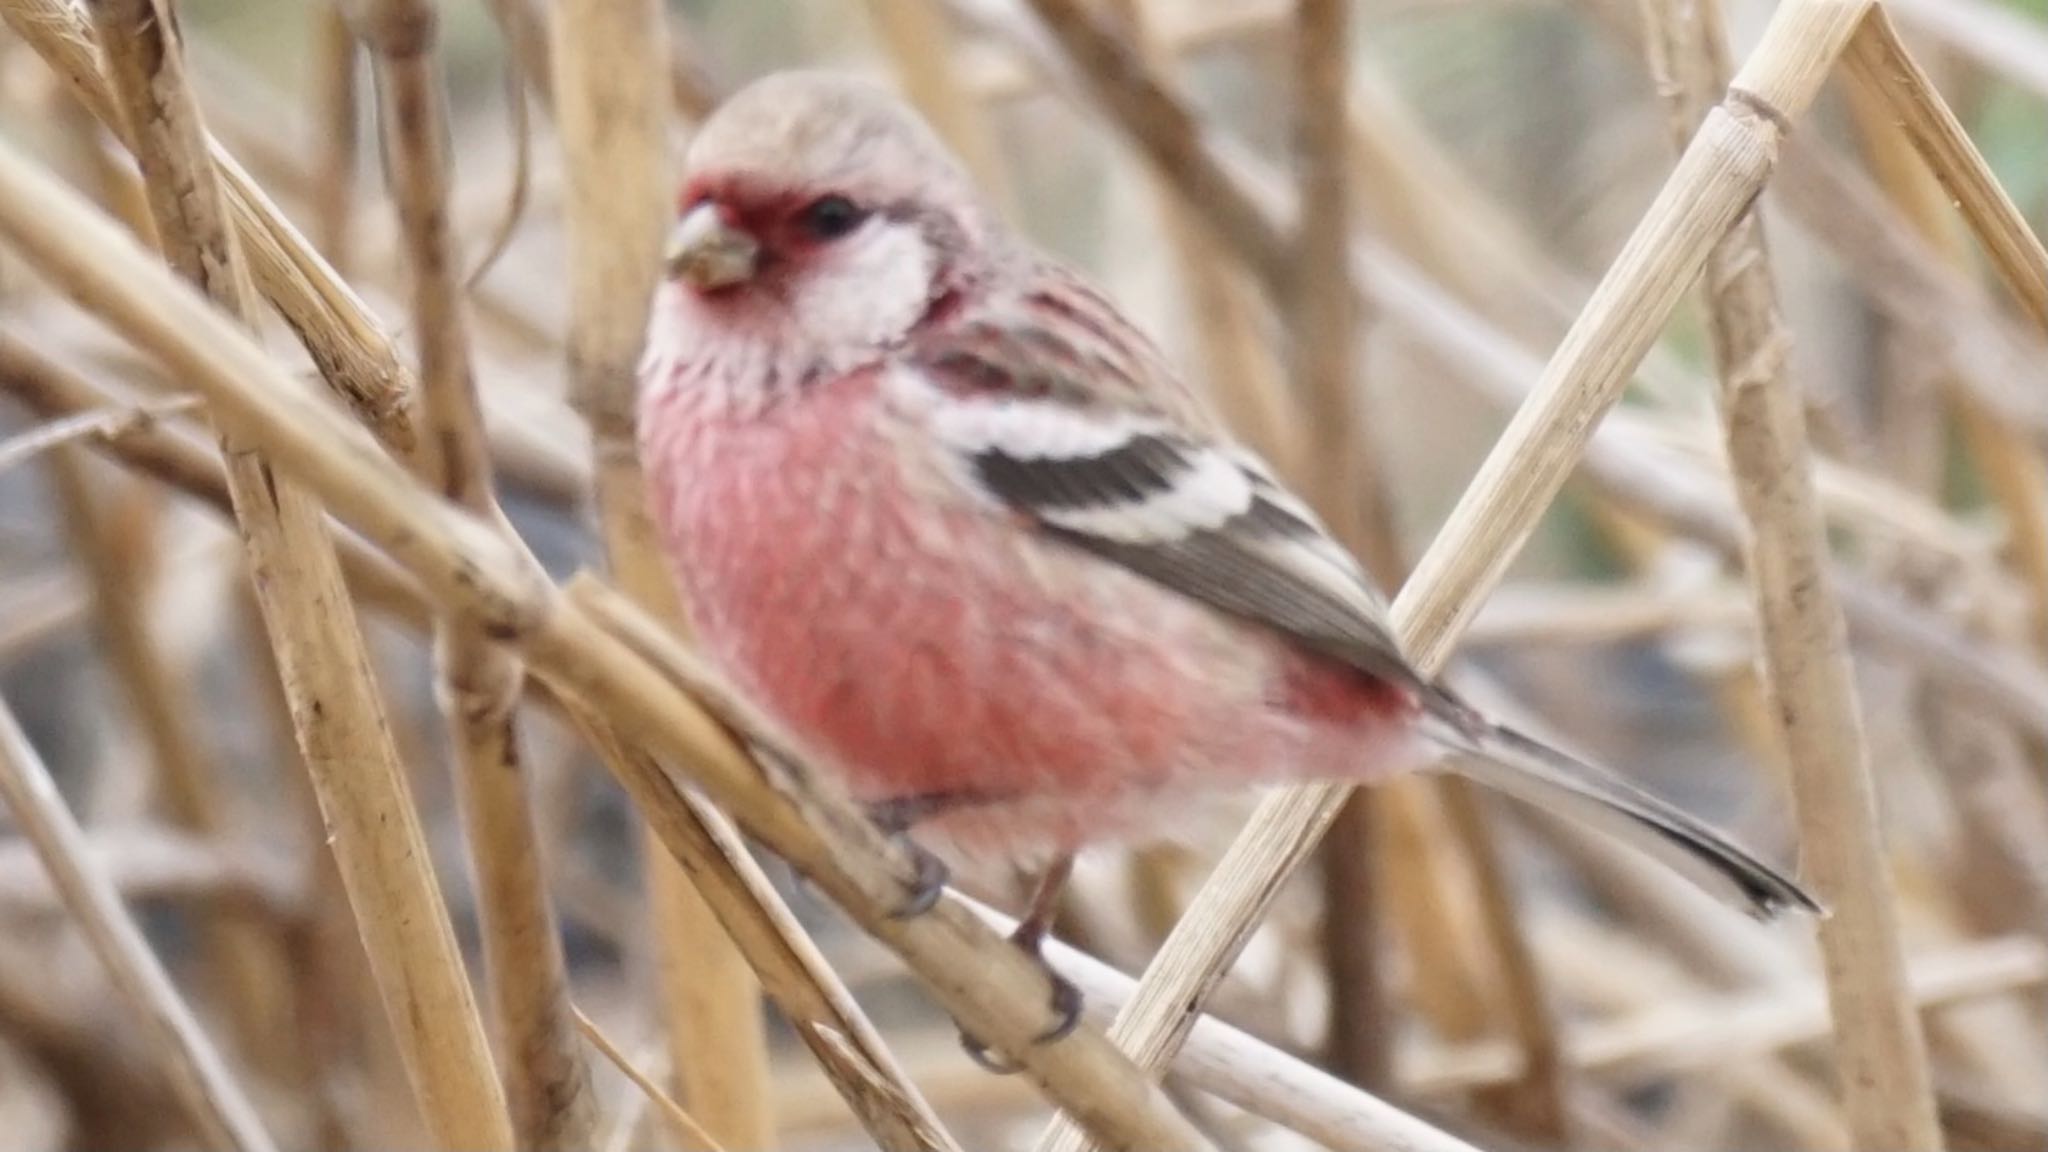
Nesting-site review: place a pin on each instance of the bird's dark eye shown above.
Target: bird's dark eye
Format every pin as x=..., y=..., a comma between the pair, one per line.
x=830, y=217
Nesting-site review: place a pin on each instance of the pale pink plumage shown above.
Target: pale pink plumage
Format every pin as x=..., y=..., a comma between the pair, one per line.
x=947, y=517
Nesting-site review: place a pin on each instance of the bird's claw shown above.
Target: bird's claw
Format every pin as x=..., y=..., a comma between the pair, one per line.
x=1065, y=1002
x=927, y=884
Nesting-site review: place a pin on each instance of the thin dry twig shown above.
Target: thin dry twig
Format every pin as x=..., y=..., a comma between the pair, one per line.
x=373, y=825
x=100, y=424
x=685, y=1125
x=1882, y=1055
x=468, y=567
x=547, y=1081
x=223, y=1115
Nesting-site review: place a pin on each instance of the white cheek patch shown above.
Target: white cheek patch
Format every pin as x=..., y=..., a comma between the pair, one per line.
x=869, y=289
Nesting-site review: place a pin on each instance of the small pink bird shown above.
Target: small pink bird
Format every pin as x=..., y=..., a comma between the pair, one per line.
x=938, y=508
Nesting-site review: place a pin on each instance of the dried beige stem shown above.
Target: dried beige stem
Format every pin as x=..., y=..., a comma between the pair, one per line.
x=341, y=729
x=223, y=1115
x=611, y=112
x=479, y=680
x=1881, y=1054
x=1878, y=60
x=468, y=567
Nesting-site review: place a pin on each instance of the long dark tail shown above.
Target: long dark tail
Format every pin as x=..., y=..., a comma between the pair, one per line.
x=1530, y=770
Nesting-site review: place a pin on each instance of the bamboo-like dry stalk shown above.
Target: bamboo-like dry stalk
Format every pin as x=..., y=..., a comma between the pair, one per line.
x=341, y=729
x=1720, y=173
x=611, y=114
x=1882, y=1055
x=468, y=567
x=222, y=1114
x=547, y=1081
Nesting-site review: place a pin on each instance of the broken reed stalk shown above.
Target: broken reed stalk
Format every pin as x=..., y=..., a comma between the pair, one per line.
x=1880, y=1051
x=1717, y=177
x=241, y=962
x=222, y=1115
x=609, y=58
x=348, y=346
x=342, y=733
x=468, y=567
x=1878, y=60
x=479, y=680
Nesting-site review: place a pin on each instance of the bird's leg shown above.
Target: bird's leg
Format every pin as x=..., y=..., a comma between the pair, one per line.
x=1029, y=937
x=895, y=818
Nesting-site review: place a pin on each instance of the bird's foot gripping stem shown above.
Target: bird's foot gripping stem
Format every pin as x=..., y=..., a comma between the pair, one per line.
x=1029, y=938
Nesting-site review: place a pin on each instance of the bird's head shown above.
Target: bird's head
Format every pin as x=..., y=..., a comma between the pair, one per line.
x=818, y=210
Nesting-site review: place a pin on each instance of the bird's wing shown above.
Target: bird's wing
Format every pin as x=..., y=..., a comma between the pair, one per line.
x=1052, y=408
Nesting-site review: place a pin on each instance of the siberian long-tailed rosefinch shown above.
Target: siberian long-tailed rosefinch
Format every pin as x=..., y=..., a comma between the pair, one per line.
x=952, y=521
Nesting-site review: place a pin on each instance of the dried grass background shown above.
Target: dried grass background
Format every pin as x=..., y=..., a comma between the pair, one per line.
x=1797, y=580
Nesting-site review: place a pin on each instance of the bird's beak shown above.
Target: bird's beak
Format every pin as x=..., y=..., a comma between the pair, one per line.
x=706, y=253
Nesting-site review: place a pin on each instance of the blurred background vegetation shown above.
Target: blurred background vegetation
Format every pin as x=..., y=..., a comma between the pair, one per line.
x=1538, y=115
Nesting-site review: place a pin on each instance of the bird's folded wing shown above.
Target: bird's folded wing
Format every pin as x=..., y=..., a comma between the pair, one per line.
x=1087, y=462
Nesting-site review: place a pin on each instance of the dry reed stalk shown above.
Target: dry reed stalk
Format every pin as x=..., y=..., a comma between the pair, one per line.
x=611, y=115
x=915, y=34
x=2011, y=463
x=469, y=567
x=345, y=341
x=244, y=969
x=222, y=1115
x=1878, y=60
x=1880, y=1050
x=335, y=107
x=1717, y=177
x=479, y=681
x=1249, y=1073
x=374, y=829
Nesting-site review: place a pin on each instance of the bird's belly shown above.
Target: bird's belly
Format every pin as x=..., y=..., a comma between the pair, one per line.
x=1032, y=696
